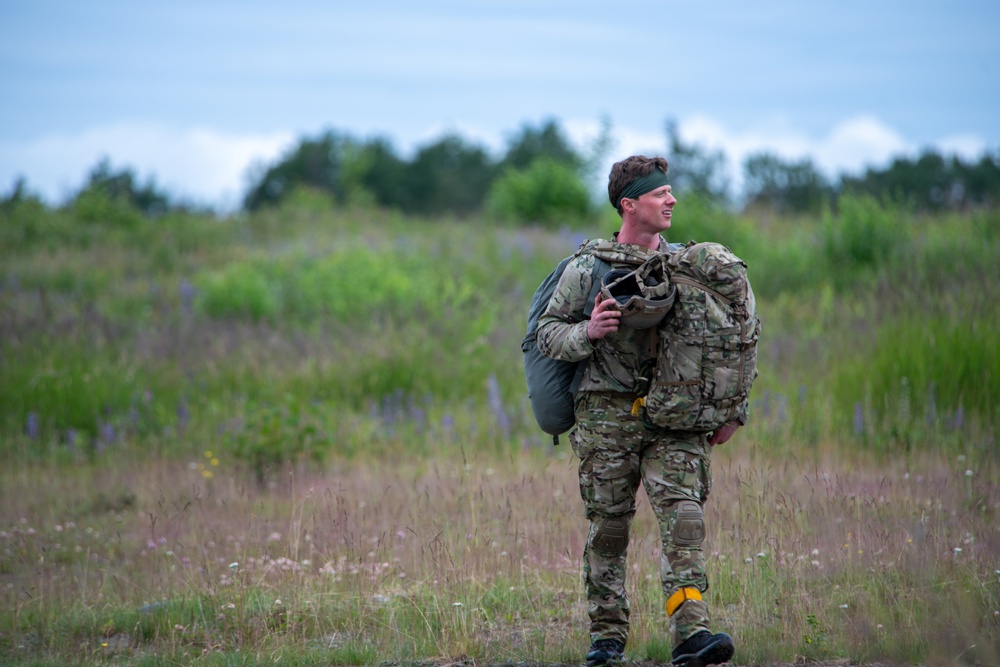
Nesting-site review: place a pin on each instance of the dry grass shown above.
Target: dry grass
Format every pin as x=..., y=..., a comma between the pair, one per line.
x=819, y=557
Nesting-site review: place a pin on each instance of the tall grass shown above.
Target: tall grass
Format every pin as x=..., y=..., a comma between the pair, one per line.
x=812, y=557
x=334, y=401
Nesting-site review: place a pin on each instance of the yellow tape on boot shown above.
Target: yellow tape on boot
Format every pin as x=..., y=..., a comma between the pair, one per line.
x=680, y=597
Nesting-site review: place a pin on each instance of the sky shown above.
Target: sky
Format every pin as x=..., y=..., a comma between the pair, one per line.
x=194, y=94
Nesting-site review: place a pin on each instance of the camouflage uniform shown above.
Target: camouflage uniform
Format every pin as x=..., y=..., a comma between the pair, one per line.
x=617, y=452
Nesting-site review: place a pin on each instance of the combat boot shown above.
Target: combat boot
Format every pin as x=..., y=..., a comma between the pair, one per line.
x=604, y=651
x=704, y=648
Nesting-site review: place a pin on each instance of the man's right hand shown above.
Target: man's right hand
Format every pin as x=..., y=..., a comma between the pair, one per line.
x=604, y=319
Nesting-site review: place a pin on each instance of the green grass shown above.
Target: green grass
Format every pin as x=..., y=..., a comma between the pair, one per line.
x=187, y=393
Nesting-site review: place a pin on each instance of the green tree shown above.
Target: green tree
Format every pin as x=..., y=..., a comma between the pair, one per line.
x=932, y=182
x=449, y=175
x=375, y=169
x=694, y=170
x=784, y=187
x=532, y=143
x=316, y=163
x=122, y=188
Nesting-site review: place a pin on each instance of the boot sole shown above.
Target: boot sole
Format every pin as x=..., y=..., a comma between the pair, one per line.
x=713, y=654
x=608, y=660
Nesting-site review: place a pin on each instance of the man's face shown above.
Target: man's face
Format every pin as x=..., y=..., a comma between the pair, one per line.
x=654, y=209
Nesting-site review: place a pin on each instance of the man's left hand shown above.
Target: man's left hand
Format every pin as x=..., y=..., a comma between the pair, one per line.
x=723, y=433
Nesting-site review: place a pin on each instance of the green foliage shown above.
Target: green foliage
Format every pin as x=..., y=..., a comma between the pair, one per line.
x=97, y=207
x=240, y=289
x=531, y=144
x=548, y=192
x=315, y=163
x=924, y=372
x=784, y=187
x=67, y=388
x=27, y=223
x=276, y=434
x=932, y=182
x=352, y=284
x=449, y=175
x=347, y=307
x=108, y=195
x=695, y=170
x=864, y=236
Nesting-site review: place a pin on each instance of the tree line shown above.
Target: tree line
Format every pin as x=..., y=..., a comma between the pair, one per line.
x=542, y=178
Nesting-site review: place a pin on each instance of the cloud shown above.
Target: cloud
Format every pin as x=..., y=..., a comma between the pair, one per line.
x=204, y=165
x=849, y=147
x=209, y=166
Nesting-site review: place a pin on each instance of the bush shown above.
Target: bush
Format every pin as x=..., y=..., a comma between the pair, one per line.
x=275, y=434
x=354, y=284
x=547, y=192
x=242, y=290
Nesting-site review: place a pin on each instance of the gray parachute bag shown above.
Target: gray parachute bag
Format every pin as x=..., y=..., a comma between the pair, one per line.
x=552, y=382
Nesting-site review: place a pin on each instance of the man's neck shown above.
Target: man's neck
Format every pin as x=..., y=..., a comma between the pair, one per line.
x=650, y=240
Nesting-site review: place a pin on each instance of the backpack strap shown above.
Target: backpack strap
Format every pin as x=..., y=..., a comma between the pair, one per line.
x=684, y=280
x=601, y=269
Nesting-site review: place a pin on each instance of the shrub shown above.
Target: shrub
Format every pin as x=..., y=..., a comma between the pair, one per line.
x=274, y=434
x=547, y=192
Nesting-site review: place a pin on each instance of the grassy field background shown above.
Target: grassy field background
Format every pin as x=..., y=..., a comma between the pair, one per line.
x=302, y=436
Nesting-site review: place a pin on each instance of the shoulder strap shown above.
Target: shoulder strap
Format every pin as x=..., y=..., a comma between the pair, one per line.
x=601, y=269
x=684, y=280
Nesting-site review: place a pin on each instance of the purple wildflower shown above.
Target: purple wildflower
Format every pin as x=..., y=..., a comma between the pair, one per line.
x=32, y=425
x=859, y=419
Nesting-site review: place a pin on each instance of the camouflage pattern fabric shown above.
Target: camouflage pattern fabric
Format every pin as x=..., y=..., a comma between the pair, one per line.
x=616, y=453
x=708, y=353
x=621, y=363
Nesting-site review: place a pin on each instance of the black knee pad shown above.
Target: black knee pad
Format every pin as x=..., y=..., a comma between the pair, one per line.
x=611, y=536
x=689, y=528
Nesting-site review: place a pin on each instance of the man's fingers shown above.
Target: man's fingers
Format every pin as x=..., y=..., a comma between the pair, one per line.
x=604, y=306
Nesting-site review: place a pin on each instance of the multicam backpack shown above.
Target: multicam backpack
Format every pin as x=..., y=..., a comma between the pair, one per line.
x=707, y=358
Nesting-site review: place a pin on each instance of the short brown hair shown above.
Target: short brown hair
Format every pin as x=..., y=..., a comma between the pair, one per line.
x=626, y=171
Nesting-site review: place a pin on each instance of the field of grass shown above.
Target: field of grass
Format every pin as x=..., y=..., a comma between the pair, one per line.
x=303, y=437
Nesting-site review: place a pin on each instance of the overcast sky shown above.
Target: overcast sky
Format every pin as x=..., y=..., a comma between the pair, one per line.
x=194, y=92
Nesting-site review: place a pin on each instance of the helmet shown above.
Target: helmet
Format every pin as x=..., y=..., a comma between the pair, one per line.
x=644, y=295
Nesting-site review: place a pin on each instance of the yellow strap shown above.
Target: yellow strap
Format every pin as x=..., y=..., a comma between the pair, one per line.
x=680, y=597
x=639, y=402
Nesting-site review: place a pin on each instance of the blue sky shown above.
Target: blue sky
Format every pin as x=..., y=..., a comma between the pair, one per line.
x=193, y=93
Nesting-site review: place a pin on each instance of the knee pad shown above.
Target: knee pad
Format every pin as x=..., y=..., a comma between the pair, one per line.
x=689, y=527
x=611, y=536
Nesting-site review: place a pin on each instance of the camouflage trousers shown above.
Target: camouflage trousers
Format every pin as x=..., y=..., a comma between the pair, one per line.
x=616, y=453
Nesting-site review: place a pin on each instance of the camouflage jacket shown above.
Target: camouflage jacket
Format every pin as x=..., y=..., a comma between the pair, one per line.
x=619, y=362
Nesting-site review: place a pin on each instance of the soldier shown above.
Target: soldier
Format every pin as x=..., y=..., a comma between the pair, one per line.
x=617, y=451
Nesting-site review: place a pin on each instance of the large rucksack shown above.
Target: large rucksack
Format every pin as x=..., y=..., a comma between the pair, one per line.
x=552, y=383
x=707, y=359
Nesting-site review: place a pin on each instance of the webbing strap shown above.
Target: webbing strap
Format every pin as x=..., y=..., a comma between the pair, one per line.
x=680, y=597
x=684, y=280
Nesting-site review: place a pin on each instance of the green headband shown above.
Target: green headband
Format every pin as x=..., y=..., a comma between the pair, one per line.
x=642, y=185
